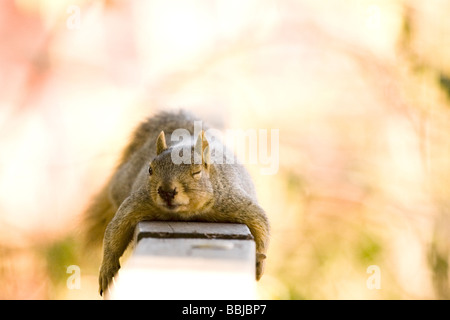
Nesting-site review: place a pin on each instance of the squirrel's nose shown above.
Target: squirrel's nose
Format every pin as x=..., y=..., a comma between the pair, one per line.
x=167, y=195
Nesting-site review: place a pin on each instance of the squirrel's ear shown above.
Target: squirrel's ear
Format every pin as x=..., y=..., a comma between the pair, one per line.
x=202, y=147
x=206, y=157
x=161, y=143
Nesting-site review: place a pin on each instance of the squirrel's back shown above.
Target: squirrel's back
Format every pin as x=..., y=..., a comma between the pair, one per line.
x=149, y=130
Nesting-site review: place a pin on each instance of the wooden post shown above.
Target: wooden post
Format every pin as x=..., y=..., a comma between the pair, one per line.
x=188, y=260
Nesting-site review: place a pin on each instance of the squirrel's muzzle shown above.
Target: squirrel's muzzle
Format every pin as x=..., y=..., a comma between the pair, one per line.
x=167, y=195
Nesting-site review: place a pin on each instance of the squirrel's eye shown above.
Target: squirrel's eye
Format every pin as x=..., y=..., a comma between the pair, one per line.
x=197, y=174
x=150, y=170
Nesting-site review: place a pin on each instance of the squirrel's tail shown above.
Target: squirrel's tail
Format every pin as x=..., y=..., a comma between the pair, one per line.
x=96, y=217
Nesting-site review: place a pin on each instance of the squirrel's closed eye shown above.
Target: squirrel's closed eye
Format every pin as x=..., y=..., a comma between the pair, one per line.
x=197, y=174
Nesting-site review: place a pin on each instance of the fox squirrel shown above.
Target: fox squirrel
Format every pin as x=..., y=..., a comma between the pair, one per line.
x=148, y=185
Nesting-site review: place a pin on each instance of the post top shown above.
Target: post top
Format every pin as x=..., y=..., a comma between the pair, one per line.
x=198, y=230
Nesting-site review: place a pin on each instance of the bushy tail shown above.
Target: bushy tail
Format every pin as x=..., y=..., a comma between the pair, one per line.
x=96, y=217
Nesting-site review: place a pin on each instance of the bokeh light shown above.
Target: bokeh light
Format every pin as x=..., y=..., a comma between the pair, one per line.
x=359, y=91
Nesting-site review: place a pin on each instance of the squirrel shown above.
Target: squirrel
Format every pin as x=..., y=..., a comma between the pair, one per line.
x=148, y=185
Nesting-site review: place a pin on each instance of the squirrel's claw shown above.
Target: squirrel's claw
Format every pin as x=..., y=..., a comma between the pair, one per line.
x=107, y=272
x=260, y=257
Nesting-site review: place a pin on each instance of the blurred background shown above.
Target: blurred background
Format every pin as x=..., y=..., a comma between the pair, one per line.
x=359, y=89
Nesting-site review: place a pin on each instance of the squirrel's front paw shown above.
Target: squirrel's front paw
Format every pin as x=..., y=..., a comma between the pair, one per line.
x=107, y=272
x=260, y=262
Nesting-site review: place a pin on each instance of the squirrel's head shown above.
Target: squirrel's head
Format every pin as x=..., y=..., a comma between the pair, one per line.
x=182, y=188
